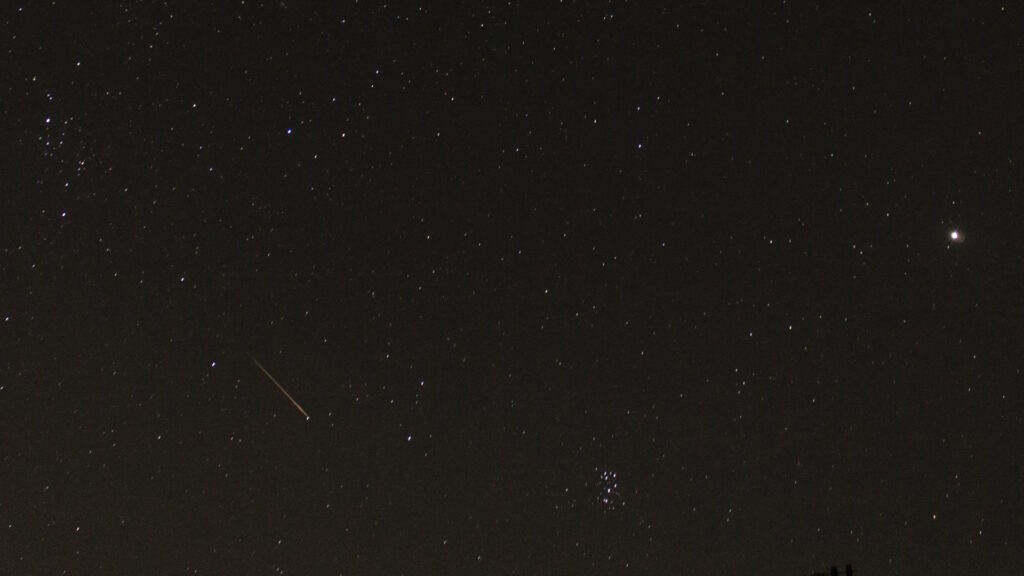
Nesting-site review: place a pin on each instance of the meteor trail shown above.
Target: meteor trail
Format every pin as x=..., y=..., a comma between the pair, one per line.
x=281, y=388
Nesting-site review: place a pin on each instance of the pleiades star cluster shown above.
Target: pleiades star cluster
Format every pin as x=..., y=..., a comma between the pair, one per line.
x=506, y=288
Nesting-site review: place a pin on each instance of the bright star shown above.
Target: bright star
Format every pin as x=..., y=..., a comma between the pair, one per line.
x=956, y=236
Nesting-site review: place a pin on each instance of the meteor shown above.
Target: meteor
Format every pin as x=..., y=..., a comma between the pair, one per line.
x=281, y=388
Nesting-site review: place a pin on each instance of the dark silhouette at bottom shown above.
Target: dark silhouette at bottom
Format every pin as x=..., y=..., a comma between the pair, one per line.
x=835, y=571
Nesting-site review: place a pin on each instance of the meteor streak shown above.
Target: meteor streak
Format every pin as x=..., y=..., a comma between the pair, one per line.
x=281, y=388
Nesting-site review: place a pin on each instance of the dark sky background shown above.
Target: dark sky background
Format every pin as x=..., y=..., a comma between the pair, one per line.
x=570, y=288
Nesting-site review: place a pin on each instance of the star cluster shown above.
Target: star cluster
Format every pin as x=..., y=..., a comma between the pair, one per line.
x=610, y=497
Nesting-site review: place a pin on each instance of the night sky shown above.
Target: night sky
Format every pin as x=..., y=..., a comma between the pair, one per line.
x=566, y=288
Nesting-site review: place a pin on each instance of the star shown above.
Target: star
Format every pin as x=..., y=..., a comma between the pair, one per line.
x=956, y=236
